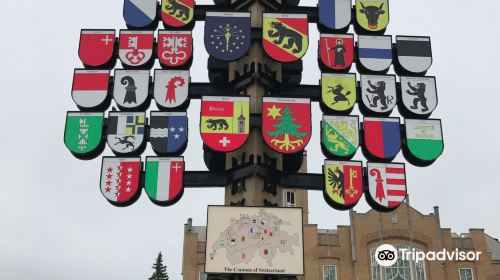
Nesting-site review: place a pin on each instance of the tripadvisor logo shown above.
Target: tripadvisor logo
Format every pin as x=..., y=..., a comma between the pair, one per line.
x=387, y=255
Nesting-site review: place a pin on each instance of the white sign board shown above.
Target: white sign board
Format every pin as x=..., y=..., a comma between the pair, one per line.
x=254, y=240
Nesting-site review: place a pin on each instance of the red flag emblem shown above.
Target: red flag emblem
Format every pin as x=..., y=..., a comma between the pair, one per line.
x=96, y=47
x=174, y=47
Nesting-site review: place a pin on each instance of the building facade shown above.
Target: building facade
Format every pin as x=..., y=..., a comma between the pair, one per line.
x=348, y=251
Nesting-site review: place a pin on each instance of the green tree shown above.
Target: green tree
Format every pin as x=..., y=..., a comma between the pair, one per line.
x=287, y=127
x=160, y=269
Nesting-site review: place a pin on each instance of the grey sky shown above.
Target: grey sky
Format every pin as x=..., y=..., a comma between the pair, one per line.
x=55, y=224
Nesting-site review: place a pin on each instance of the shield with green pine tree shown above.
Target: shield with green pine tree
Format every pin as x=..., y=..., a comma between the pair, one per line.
x=286, y=123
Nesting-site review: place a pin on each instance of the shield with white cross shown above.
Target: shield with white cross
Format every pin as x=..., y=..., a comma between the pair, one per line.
x=225, y=122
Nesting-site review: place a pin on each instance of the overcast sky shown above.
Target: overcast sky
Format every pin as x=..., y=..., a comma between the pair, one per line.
x=54, y=222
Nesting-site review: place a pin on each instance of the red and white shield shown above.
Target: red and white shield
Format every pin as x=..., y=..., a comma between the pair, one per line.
x=174, y=47
x=136, y=47
x=120, y=179
x=96, y=47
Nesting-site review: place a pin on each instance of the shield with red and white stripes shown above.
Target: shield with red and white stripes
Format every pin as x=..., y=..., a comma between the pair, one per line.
x=386, y=185
x=120, y=179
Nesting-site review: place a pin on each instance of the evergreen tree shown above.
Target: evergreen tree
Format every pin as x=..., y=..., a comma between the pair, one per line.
x=286, y=126
x=160, y=269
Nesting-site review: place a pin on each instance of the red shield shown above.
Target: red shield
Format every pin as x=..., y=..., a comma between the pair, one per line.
x=96, y=47
x=174, y=47
x=337, y=51
x=286, y=123
x=136, y=47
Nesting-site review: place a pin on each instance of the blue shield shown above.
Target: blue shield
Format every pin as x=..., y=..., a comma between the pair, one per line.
x=227, y=35
x=335, y=14
x=139, y=13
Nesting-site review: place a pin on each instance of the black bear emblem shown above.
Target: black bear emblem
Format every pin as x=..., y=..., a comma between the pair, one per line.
x=173, y=7
x=282, y=32
x=218, y=124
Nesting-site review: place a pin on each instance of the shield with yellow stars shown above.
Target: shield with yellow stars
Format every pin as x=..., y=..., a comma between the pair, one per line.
x=225, y=122
x=285, y=36
x=286, y=123
x=343, y=183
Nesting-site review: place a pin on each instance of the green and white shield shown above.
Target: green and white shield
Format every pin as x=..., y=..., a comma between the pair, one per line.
x=83, y=133
x=424, y=140
x=340, y=136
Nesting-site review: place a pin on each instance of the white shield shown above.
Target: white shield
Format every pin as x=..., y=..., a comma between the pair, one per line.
x=378, y=92
x=419, y=94
x=171, y=87
x=131, y=88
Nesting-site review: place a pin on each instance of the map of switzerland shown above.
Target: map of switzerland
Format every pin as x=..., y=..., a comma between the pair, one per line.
x=249, y=234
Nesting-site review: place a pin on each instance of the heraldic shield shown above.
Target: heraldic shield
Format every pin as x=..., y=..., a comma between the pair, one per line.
x=286, y=123
x=335, y=14
x=139, y=13
x=285, y=37
x=382, y=138
x=177, y=13
x=90, y=88
x=340, y=136
x=120, y=180
x=130, y=89
x=336, y=51
x=227, y=35
x=343, y=183
x=378, y=93
x=225, y=122
x=386, y=185
x=97, y=47
x=372, y=15
x=419, y=96
x=414, y=53
x=338, y=92
x=174, y=47
x=135, y=47
x=83, y=134
x=171, y=88
x=126, y=132
x=168, y=132
x=424, y=141
x=375, y=52
x=163, y=182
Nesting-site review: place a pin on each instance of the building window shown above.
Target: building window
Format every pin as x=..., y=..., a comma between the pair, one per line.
x=289, y=198
x=466, y=274
x=394, y=218
x=329, y=272
x=203, y=276
x=401, y=270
